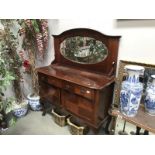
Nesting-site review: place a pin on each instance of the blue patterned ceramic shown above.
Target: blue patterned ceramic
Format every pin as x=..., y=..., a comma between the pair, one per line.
x=21, y=110
x=131, y=91
x=150, y=97
x=34, y=102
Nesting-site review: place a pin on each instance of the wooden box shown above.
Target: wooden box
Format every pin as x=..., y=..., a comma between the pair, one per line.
x=76, y=126
x=60, y=116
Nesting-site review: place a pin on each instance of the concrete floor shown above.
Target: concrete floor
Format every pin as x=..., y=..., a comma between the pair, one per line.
x=36, y=124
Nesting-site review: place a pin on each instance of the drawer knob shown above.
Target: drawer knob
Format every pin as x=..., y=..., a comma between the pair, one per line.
x=84, y=91
x=87, y=91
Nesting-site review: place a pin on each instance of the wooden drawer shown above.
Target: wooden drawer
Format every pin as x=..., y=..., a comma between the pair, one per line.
x=42, y=77
x=50, y=79
x=54, y=81
x=79, y=90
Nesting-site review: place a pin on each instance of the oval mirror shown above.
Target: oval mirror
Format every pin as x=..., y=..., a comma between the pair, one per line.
x=83, y=50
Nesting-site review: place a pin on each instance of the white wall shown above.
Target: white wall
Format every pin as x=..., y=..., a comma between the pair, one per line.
x=138, y=40
x=138, y=36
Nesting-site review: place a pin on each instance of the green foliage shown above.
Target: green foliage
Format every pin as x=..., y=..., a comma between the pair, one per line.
x=1, y=117
x=7, y=105
x=6, y=75
x=12, y=121
x=35, y=25
x=9, y=63
x=9, y=59
x=5, y=80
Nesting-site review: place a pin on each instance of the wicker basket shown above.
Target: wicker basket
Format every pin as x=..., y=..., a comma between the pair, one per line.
x=60, y=116
x=76, y=126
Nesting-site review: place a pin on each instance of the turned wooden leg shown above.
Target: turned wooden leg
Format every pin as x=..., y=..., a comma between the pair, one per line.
x=146, y=132
x=138, y=130
x=43, y=108
x=44, y=113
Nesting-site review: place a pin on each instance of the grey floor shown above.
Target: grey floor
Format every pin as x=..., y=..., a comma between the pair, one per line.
x=36, y=124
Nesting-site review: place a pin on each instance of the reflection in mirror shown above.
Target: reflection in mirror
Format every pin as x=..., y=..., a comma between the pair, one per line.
x=83, y=50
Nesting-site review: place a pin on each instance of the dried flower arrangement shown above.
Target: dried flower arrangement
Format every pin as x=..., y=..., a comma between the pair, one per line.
x=35, y=42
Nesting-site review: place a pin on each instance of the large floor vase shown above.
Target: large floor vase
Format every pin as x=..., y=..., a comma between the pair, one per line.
x=34, y=102
x=150, y=97
x=131, y=90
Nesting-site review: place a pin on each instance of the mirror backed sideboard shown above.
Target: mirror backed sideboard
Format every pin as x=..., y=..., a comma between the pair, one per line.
x=81, y=78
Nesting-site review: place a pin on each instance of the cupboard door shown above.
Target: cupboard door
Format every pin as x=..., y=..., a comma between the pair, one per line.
x=70, y=101
x=85, y=108
x=78, y=105
x=49, y=93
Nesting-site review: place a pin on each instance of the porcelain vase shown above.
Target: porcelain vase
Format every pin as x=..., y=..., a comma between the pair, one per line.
x=131, y=90
x=150, y=97
x=21, y=109
x=34, y=102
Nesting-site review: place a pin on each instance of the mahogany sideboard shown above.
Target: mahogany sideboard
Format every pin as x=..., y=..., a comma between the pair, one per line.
x=83, y=86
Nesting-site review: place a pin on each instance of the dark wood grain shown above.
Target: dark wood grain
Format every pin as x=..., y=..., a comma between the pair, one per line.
x=111, y=42
x=85, y=91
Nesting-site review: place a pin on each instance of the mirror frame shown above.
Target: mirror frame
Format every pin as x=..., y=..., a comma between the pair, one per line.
x=106, y=67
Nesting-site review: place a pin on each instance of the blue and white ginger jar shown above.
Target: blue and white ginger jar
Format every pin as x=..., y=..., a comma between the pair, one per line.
x=150, y=97
x=34, y=102
x=131, y=90
x=21, y=109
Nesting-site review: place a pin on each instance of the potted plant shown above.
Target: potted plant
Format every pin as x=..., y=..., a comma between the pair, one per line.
x=35, y=42
x=9, y=42
x=6, y=77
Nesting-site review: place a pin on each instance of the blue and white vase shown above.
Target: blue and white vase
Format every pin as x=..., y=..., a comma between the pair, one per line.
x=21, y=109
x=131, y=90
x=34, y=102
x=150, y=97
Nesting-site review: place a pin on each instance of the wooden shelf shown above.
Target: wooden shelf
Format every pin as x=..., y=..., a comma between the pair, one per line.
x=142, y=119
